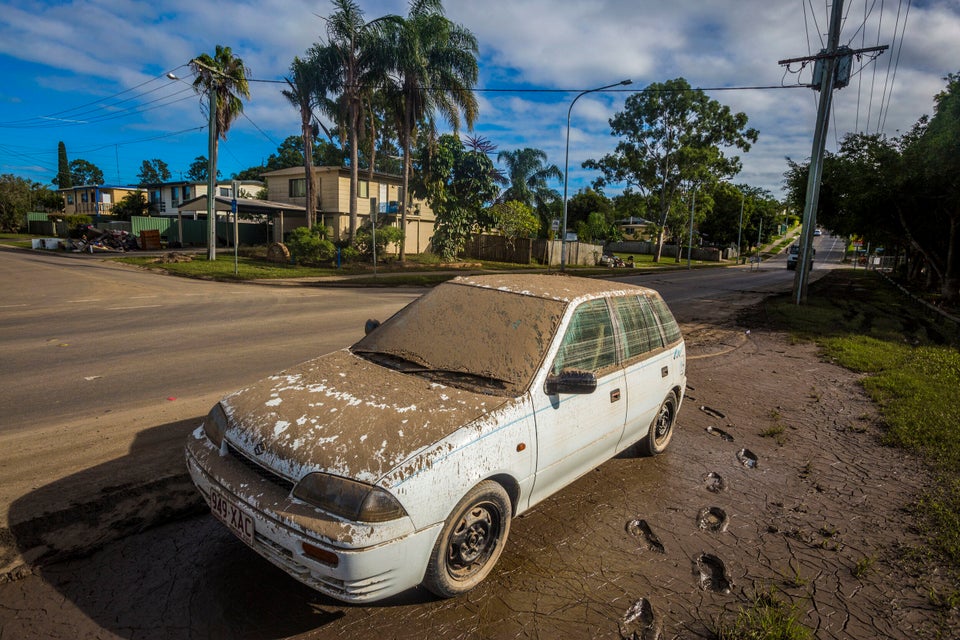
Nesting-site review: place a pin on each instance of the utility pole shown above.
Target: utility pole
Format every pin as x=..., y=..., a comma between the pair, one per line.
x=831, y=71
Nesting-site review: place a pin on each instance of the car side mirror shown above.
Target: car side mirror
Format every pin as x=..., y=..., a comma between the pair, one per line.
x=570, y=381
x=370, y=326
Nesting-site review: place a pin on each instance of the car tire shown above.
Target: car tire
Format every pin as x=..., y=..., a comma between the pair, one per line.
x=470, y=542
x=661, y=429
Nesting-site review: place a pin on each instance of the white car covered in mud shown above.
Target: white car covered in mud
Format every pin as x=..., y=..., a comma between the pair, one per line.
x=401, y=460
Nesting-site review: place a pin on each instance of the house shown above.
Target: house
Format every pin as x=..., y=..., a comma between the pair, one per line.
x=333, y=201
x=634, y=228
x=93, y=199
x=166, y=198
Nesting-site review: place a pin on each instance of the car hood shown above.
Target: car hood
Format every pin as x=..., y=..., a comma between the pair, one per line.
x=347, y=416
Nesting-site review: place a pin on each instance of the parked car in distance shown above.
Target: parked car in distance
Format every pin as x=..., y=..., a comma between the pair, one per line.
x=403, y=459
x=817, y=232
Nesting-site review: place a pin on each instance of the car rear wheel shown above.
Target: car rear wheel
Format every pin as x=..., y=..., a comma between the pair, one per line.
x=471, y=541
x=661, y=429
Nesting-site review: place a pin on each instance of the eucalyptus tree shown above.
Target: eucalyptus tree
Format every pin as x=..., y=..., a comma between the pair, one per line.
x=352, y=63
x=222, y=79
x=433, y=75
x=672, y=135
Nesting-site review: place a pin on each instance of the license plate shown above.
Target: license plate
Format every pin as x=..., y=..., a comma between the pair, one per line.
x=231, y=515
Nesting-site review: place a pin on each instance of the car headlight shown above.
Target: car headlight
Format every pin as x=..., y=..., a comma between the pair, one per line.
x=216, y=424
x=347, y=498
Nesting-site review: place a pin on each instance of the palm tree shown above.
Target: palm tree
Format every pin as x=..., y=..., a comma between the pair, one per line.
x=529, y=173
x=354, y=60
x=434, y=71
x=223, y=80
x=304, y=87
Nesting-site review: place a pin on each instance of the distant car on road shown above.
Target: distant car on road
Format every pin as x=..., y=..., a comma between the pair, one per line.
x=793, y=256
x=403, y=459
x=817, y=232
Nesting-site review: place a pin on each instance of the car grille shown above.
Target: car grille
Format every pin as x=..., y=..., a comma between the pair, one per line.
x=259, y=469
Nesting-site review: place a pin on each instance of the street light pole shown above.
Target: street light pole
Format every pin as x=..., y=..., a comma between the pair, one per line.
x=566, y=167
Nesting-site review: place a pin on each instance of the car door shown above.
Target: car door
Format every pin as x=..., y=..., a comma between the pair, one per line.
x=646, y=364
x=578, y=431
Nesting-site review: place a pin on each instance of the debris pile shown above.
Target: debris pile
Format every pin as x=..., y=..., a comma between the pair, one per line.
x=92, y=240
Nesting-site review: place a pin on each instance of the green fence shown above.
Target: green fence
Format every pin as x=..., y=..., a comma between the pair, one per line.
x=195, y=231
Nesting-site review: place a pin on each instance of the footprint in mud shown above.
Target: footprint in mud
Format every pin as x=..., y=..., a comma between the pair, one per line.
x=713, y=519
x=712, y=412
x=712, y=573
x=719, y=432
x=714, y=482
x=747, y=458
x=640, y=622
x=640, y=529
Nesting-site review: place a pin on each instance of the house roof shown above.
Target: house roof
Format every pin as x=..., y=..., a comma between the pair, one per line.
x=244, y=205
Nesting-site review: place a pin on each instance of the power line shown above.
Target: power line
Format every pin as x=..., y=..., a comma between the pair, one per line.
x=896, y=63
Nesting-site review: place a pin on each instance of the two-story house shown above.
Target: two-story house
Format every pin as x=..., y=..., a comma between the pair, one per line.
x=165, y=198
x=93, y=199
x=333, y=201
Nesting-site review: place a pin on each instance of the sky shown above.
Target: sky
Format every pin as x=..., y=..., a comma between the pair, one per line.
x=93, y=74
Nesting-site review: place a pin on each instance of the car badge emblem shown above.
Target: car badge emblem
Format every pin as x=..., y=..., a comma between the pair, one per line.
x=257, y=450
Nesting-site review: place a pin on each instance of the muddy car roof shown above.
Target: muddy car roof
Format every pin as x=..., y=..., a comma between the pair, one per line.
x=554, y=286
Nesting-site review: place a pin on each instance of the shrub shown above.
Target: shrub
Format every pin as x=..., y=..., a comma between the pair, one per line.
x=309, y=247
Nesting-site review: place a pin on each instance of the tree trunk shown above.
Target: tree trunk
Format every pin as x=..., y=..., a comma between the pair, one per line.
x=950, y=286
x=406, y=182
x=307, y=134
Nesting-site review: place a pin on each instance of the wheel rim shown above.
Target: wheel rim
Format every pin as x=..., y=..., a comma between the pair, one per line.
x=473, y=540
x=661, y=430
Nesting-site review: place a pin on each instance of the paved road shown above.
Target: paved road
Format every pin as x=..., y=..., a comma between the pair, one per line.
x=150, y=337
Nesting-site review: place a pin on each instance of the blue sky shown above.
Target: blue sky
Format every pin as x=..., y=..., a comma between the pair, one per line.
x=92, y=73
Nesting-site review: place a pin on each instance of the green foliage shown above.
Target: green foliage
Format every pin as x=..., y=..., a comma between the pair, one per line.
x=671, y=140
x=200, y=169
x=768, y=618
x=77, y=220
x=63, y=179
x=585, y=202
x=457, y=183
x=222, y=78
x=14, y=201
x=85, y=173
x=309, y=246
x=515, y=219
x=387, y=235
x=132, y=204
x=528, y=173
x=153, y=172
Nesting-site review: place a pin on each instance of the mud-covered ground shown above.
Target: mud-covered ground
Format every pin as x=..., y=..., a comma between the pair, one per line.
x=775, y=482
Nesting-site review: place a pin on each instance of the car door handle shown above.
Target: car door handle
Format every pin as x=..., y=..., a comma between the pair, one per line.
x=614, y=395
x=664, y=372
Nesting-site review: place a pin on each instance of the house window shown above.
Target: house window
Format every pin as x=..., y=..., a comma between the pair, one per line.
x=363, y=189
x=175, y=196
x=298, y=187
x=83, y=196
x=186, y=192
x=69, y=198
x=155, y=196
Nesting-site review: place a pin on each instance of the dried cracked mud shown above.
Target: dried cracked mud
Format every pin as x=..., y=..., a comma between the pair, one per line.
x=638, y=548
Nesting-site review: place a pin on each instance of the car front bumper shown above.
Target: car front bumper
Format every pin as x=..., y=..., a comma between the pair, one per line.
x=363, y=562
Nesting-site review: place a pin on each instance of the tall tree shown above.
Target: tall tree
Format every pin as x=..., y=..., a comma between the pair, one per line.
x=62, y=180
x=528, y=173
x=223, y=80
x=671, y=136
x=434, y=71
x=199, y=168
x=153, y=172
x=351, y=63
x=458, y=185
x=14, y=201
x=302, y=93
x=85, y=173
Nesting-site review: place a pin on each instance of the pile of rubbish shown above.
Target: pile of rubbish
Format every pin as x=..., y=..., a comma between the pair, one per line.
x=89, y=239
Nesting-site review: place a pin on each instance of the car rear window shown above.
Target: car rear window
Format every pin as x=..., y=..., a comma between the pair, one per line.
x=640, y=325
x=668, y=325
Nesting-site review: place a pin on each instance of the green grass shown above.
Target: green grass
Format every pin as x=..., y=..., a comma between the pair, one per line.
x=768, y=618
x=912, y=364
x=223, y=268
x=17, y=239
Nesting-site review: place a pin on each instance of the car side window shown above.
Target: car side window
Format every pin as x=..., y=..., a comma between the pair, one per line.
x=640, y=326
x=588, y=344
x=668, y=325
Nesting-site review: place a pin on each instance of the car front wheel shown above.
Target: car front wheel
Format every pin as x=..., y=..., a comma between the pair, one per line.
x=471, y=541
x=661, y=429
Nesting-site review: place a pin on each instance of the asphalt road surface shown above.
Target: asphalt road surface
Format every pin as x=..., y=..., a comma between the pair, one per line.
x=105, y=370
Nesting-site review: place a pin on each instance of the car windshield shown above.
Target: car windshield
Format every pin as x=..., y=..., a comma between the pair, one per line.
x=466, y=336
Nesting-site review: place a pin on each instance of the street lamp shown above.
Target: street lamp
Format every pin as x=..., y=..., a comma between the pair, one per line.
x=566, y=165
